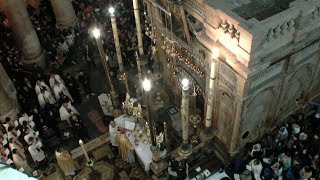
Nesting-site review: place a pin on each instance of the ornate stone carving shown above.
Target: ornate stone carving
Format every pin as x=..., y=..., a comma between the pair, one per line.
x=195, y=6
x=228, y=73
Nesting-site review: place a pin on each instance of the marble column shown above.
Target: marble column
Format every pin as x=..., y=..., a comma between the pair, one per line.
x=64, y=13
x=207, y=132
x=26, y=36
x=8, y=107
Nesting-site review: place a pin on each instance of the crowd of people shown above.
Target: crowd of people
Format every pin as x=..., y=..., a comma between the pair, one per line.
x=290, y=153
x=46, y=96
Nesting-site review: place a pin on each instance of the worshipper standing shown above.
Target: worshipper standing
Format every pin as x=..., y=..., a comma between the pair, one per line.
x=89, y=48
x=84, y=81
x=73, y=88
x=79, y=127
x=53, y=78
x=305, y=173
x=20, y=161
x=44, y=98
x=125, y=147
x=15, y=144
x=40, y=85
x=113, y=130
x=37, y=153
x=255, y=166
x=65, y=162
x=60, y=88
x=66, y=111
x=30, y=135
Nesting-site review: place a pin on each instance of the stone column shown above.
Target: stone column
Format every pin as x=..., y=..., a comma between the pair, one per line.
x=9, y=86
x=8, y=106
x=64, y=13
x=207, y=132
x=185, y=148
x=26, y=36
x=185, y=24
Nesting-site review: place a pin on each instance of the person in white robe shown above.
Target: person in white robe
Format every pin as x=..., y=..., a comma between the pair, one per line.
x=15, y=144
x=36, y=152
x=45, y=97
x=66, y=111
x=24, y=117
x=53, y=78
x=41, y=85
x=113, y=131
x=61, y=88
x=12, y=133
x=31, y=135
x=20, y=161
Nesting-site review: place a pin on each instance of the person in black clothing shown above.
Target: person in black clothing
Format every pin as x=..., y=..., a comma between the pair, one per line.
x=88, y=49
x=73, y=88
x=80, y=130
x=84, y=81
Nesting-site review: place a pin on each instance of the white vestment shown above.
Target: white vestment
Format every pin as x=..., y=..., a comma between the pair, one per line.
x=36, y=153
x=45, y=98
x=65, y=114
x=113, y=134
x=41, y=86
x=53, y=79
x=61, y=88
x=21, y=163
x=16, y=146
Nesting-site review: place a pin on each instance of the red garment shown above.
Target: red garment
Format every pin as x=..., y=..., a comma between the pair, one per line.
x=88, y=10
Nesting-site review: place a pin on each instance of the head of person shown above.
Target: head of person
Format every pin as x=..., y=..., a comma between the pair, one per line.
x=14, y=151
x=256, y=162
x=8, y=119
x=38, y=82
x=65, y=103
x=10, y=128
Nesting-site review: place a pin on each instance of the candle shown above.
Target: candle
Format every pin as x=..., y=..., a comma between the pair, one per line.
x=84, y=150
x=165, y=132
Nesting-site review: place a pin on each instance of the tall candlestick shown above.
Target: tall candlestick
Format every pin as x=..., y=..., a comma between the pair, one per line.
x=84, y=150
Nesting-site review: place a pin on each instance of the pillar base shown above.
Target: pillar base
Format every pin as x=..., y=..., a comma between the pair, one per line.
x=185, y=150
x=12, y=113
x=39, y=60
x=206, y=134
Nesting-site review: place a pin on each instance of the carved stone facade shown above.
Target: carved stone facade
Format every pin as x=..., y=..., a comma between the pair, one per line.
x=268, y=66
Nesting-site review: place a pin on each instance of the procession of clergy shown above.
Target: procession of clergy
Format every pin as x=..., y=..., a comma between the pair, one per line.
x=22, y=138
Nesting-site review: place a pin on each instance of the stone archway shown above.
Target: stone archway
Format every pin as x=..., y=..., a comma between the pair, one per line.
x=225, y=113
x=257, y=111
x=295, y=89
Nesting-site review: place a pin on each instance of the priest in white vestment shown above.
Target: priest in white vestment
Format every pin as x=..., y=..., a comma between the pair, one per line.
x=45, y=97
x=53, y=78
x=20, y=161
x=36, y=152
x=66, y=111
x=15, y=144
x=41, y=85
x=61, y=88
x=113, y=130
